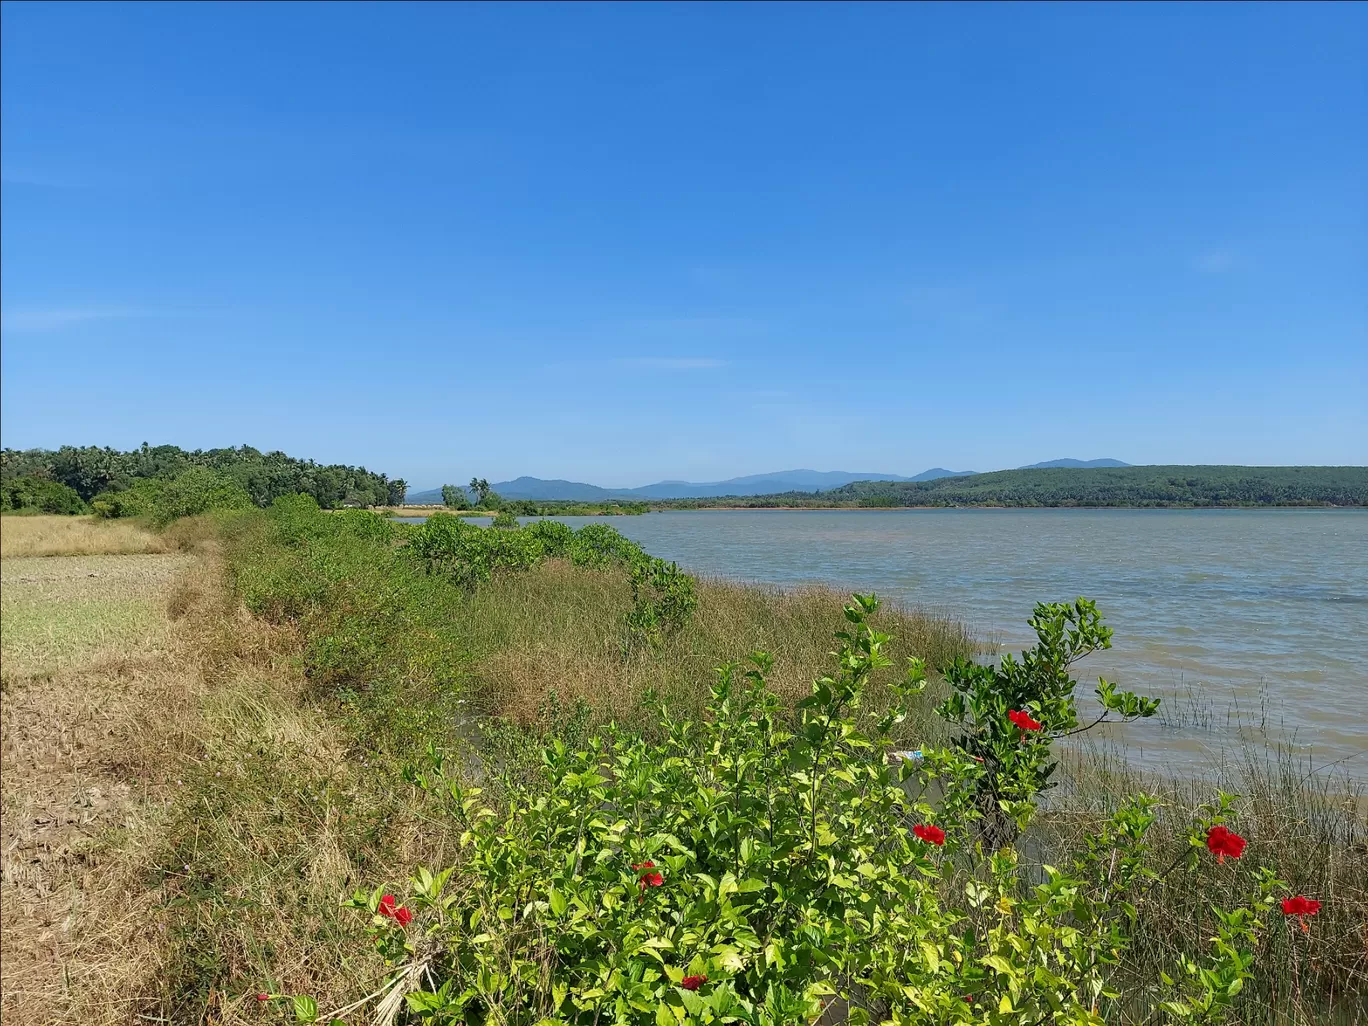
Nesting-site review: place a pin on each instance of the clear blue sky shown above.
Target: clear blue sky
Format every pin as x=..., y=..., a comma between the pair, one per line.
x=623, y=243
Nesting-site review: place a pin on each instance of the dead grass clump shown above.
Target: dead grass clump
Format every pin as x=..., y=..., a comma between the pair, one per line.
x=74, y=536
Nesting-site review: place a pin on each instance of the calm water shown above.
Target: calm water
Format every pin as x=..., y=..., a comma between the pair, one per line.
x=1264, y=611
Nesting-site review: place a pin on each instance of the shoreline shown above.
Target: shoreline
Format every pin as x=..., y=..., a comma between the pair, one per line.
x=428, y=510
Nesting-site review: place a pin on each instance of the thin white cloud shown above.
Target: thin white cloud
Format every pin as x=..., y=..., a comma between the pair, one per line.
x=674, y=362
x=1214, y=261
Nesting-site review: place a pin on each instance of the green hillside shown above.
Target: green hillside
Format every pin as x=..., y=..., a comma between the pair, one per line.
x=1180, y=486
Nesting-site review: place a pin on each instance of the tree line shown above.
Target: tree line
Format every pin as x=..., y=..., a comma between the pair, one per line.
x=41, y=478
x=1158, y=486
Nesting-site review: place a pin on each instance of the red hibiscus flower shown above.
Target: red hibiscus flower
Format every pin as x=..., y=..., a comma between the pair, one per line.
x=1221, y=842
x=1023, y=720
x=387, y=905
x=403, y=916
x=930, y=834
x=648, y=864
x=650, y=880
x=1301, y=908
x=694, y=982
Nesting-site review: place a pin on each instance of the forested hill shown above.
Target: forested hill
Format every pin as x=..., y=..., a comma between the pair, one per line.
x=1101, y=486
x=91, y=470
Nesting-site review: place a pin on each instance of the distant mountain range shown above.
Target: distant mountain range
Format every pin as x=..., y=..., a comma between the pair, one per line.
x=753, y=484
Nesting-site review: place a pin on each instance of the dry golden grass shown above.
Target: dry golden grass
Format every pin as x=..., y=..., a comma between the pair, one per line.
x=78, y=612
x=177, y=825
x=559, y=628
x=74, y=536
x=94, y=689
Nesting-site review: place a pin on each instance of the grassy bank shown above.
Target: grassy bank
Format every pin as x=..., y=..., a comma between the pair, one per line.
x=240, y=738
x=180, y=816
x=527, y=644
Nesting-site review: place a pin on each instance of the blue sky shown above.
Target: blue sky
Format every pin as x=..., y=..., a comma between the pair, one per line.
x=624, y=243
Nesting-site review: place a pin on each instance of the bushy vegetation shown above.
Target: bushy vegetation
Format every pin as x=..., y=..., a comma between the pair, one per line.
x=1159, y=486
x=197, y=490
x=487, y=500
x=764, y=867
x=402, y=625
x=39, y=495
x=888, y=819
x=662, y=596
x=91, y=470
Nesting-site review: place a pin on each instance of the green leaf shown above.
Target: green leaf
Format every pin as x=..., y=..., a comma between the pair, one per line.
x=557, y=902
x=1000, y=964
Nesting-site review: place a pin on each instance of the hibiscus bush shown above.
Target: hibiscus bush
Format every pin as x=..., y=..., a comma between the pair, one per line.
x=1006, y=717
x=773, y=867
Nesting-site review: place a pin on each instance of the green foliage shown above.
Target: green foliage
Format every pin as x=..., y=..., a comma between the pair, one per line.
x=663, y=596
x=1016, y=759
x=39, y=495
x=454, y=497
x=663, y=599
x=757, y=867
x=92, y=470
x=485, y=497
x=197, y=490
x=135, y=501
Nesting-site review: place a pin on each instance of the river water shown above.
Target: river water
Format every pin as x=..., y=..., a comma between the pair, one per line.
x=1255, y=619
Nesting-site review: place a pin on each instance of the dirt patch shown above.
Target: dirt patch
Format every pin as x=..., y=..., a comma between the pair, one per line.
x=87, y=749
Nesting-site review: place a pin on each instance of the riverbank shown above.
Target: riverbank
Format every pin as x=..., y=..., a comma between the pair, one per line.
x=259, y=710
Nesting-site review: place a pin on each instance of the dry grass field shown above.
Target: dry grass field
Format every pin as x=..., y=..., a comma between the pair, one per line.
x=175, y=813
x=74, y=536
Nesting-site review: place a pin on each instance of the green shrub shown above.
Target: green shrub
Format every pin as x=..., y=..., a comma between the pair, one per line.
x=40, y=495
x=1007, y=715
x=663, y=596
x=599, y=545
x=505, y=519
x=663, y=599
x=759, y=868
x=197, y=490
x=556, y=538
x=138, y=500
